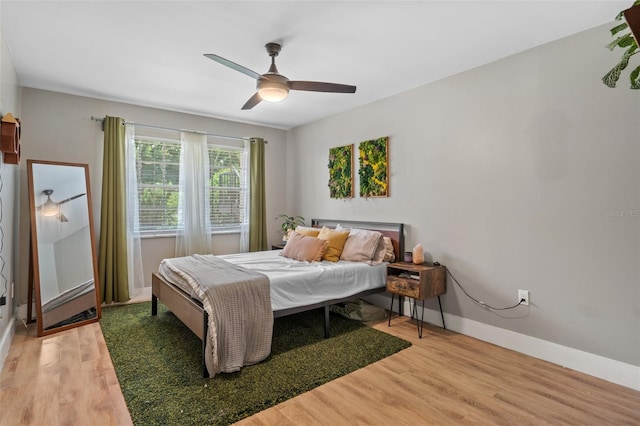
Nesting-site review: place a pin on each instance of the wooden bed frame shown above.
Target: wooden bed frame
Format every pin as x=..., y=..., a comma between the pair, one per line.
x=191, y=312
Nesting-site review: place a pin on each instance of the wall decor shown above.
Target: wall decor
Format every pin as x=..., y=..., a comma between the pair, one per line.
x=341, y=172
x=374, y=168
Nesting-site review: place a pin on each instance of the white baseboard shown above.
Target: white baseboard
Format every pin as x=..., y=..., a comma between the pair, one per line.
x=595, y=365
x=5, y=341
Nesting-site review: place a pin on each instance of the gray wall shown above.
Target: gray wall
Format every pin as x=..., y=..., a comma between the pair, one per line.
x=10, y=101
x=512, y=175
x=58, y=127
x=73, y=259
x=48, y=272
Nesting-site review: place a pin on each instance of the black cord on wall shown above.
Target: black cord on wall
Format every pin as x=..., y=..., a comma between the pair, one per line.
x=479, y=302
x=3, y=279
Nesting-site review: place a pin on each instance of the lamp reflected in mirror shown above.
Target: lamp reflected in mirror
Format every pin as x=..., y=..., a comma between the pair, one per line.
x=63, y=261
x=49, y=208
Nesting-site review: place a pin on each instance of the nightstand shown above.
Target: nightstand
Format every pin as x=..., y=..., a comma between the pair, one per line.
x=418, y=282
x=277, y=247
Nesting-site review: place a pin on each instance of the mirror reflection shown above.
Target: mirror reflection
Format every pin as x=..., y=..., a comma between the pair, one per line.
x=63, y=257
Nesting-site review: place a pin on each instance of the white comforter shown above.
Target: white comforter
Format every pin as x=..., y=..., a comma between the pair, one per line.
x=295, y=283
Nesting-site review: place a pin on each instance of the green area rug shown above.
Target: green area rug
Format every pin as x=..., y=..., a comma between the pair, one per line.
x=158, y=363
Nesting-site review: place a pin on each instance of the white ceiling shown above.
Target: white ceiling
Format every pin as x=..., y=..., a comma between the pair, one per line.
x=151, y=53
x=66, y=181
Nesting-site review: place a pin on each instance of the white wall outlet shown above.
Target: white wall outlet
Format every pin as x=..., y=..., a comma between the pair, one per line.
x=523, y=295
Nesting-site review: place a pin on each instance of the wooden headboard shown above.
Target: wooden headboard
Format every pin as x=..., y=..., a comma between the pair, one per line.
x=395, y=231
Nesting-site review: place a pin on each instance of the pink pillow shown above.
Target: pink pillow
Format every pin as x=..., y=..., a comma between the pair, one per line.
x=304, y=248
x=361, y=245
x=384, y=252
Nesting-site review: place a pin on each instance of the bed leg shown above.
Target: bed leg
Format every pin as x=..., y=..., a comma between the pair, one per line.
x=205, y=331
x=326, y=322
x=154, y=305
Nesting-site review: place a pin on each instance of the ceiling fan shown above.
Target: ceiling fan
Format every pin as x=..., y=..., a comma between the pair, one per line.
x=51, y=208
x=273, y=86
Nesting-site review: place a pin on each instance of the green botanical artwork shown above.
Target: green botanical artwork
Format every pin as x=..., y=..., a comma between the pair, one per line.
x=374, y=173
x=341, y=172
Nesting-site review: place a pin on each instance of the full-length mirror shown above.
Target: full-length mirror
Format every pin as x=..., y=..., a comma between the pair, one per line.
x=62, y=246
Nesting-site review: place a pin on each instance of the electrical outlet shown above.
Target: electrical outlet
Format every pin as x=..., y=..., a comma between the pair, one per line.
x=523, y=295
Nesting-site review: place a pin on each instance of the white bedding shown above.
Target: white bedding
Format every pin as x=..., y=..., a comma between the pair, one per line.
x=295, y=283
x=69, y=294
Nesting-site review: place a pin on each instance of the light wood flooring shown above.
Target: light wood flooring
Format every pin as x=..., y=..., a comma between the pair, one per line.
x=445, y=378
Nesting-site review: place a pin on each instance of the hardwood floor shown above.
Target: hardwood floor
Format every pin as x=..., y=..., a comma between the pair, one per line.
x=65, y=378
x=444, y=378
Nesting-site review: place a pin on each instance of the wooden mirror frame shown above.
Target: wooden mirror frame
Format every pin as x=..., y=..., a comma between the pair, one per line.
x=34, y=261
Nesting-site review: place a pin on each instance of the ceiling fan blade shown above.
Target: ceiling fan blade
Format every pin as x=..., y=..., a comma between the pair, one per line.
x=71, y=198
x=61, y=217
x=253, y=101
x=233, y=65
x=317, y=86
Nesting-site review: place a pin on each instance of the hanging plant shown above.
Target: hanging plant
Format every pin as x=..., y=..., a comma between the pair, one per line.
x=625, y=41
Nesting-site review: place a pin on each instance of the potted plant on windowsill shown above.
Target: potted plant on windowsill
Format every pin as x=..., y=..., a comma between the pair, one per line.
x=289, y=223
x=628, y=41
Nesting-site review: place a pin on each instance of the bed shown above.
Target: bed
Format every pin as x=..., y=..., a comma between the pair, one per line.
x=347, y=281
x=78, y=300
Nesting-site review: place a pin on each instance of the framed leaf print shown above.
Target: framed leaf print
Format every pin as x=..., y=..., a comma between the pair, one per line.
x=374, y=168
x=341, y=172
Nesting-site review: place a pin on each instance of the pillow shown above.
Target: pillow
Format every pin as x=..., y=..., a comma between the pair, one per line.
x=308, y=231
x=305, y=248
x=336, y=241
x=340, y=228
x=384, y=252
x=389, y=254
x=361, y=245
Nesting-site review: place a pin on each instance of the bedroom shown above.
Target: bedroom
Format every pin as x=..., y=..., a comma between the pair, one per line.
x=503, y=172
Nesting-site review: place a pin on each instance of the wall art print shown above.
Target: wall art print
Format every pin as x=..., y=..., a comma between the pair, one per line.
x=374, y=168
x=341, y=172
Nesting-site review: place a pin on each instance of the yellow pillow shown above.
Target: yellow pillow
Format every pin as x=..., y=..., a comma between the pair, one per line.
x=336, y=241
x=308, y=231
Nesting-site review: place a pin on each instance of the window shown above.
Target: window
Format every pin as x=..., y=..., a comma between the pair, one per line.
x=158, y=171
x=226, y=191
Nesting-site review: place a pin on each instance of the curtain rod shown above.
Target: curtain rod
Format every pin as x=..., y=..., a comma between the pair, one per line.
x=235, y=138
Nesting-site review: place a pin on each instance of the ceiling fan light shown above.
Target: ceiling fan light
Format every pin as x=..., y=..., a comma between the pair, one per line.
x=50, y=209
x=272, y=91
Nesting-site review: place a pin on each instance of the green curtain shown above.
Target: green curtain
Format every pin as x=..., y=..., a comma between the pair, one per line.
x=257, y=197
x=112, y=258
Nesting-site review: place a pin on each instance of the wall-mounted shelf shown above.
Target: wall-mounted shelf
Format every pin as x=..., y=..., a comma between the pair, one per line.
x=10, y=139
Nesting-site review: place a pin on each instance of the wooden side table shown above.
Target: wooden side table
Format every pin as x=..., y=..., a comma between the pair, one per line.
x=418, y=282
